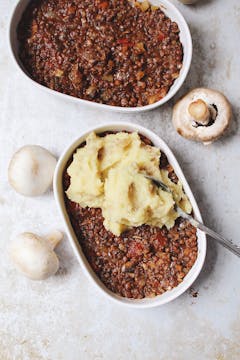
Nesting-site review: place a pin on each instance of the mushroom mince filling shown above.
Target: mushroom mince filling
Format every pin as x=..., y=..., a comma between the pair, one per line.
x=133, y=239
x=115, y=52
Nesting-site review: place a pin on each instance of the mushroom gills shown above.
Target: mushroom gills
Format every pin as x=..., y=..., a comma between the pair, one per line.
x=202, y=115
x=213, y=116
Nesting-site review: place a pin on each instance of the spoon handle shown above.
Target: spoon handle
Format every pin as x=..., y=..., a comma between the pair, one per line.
x=226, y=243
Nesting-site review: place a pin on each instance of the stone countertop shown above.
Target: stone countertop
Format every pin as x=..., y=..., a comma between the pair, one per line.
x=66, y=317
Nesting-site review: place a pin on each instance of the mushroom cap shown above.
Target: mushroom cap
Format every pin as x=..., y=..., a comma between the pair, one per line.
x=33, y=257
x=31, y=170
x=184, y=122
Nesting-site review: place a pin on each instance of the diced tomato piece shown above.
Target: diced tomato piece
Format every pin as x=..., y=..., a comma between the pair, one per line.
x=124, y=41
x=135, y=249
x=161, y=36
x=71, y=10
x=103, y=5
x=162, y=240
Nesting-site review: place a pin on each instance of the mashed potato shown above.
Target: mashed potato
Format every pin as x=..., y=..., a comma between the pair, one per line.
x=106, y=174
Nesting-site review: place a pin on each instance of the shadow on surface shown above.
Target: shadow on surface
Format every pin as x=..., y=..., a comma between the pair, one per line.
x=209, y=265
x=203, y=3
x=234, y=126
x=65, y=256
x=200, y=64
x=208, y=215
x=199, y=3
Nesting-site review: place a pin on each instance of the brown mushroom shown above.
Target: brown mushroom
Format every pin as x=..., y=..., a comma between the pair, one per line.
x=202, y=115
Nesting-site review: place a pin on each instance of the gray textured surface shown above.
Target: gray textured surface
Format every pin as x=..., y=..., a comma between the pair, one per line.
x=65, y=317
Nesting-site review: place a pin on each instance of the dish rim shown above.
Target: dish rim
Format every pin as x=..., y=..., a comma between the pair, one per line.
x=59, y=197
x=167, y=7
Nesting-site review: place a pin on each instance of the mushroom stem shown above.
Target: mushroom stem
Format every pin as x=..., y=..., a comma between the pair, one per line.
x=54, y=238
x=199, y=110
x=202, y=115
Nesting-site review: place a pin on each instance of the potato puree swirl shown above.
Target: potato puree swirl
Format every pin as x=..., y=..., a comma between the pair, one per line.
x=106, y=174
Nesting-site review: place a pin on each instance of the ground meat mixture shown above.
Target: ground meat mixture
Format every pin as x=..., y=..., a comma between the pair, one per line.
x=144, y=261
x=114, y=52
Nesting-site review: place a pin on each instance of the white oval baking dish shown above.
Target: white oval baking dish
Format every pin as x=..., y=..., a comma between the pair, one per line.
x=171, y=11
x=59, y=196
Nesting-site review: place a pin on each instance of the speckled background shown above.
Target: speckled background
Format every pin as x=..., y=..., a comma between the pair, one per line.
x=65, y=317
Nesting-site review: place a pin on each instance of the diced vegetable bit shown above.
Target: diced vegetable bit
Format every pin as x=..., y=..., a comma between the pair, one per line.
x=158, y=96
x=107, y=77
x=139, y=47
x=71, y=10
x=110, y=64
x=106, y=95
x=124, y=41
x=140, y=75
x=144, y=6
x=161, y=239
x=142, y=84
x=58, y=73
x=161, y=36
x=103, y=5
x=175, y=75
x=126, y=44
x=91, y=90
x=75, y=76
x=135, y=249
x=178, y=267
x=154, y=8
x=152, y=99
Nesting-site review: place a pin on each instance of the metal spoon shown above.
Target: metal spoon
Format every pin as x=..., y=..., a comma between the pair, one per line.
x=226, y=243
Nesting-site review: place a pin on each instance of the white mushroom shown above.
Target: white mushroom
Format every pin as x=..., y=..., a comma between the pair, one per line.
x=202, y=115
x=31, y=170
x=34, y=256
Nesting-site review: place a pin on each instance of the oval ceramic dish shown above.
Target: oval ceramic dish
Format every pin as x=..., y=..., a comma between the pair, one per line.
x=170, y=10
x=59, y=196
